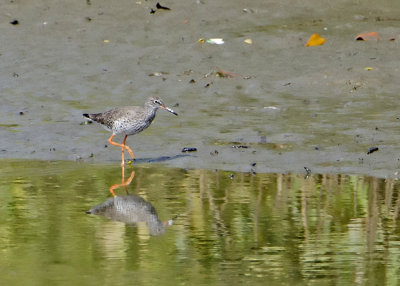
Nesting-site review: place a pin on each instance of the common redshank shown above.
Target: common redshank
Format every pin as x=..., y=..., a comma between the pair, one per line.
x=128, y=120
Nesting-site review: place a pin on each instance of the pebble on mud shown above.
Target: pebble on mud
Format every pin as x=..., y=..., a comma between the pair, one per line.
x=189, y=149
x=240, y=146
x=158, y=6
x=214, y=153
x=308, y=171
x=372, y=150
x=14, y=22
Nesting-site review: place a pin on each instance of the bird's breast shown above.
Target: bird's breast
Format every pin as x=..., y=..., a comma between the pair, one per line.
x=131, y=125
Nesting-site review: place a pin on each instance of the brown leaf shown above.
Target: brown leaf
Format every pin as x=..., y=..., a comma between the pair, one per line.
x=368, y=36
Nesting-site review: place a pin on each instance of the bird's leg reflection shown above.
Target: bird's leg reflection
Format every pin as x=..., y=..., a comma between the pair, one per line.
x=131, y=209
x=123, y=183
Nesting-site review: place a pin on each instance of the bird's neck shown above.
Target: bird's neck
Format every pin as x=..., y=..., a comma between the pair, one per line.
x=151, y=113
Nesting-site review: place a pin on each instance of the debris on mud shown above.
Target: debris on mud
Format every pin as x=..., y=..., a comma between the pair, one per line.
x=214, y=153
x=315, y=40
x=240, y=146
x=372, y=150
x=159, y=6
x=368, y=36
x=222, y=73
x=212, y=41
x=189, y=149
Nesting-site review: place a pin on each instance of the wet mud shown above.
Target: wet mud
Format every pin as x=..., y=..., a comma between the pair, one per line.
x=291, y=106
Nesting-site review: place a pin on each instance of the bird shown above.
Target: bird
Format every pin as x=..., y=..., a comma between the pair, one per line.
x=128, y=120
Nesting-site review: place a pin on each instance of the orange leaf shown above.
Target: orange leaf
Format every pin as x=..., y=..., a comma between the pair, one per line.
x=368, y=36
x=315, y=40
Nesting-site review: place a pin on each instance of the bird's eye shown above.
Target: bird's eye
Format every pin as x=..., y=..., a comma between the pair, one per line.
x=157, y=101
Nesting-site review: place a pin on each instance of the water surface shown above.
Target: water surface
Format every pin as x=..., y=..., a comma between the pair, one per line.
x=228, y=227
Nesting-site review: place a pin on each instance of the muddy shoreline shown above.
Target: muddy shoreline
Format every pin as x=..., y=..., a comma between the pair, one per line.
x=294, y=106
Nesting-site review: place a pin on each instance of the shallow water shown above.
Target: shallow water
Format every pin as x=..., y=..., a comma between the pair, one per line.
x=228, y=227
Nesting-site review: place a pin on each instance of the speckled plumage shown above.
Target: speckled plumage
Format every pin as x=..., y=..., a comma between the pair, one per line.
x=128, y=120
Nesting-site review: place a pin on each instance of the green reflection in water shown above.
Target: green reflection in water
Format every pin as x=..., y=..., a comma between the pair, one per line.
x=277, y=228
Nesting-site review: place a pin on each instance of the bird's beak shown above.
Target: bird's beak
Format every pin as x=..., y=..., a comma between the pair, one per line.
x=169, y=109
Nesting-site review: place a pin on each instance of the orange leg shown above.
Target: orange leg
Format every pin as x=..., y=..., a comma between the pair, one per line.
x=122, y=146
x=127, y=148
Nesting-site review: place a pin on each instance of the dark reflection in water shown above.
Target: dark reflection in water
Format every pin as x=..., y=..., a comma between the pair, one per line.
x=130, y=209
x=275, y=229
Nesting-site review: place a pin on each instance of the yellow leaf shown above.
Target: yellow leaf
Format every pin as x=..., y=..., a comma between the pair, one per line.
x=315, y=40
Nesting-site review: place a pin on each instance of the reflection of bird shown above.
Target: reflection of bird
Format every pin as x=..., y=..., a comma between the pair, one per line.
x=128, y=120
x=131, y=209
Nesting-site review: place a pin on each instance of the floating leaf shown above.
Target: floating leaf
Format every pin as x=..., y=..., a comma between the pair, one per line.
x=315, y=40
x=368, y=36
x=248, y=41
x=368, y=68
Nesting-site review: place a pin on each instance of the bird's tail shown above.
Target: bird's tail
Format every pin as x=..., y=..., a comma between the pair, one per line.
x=94, y=117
